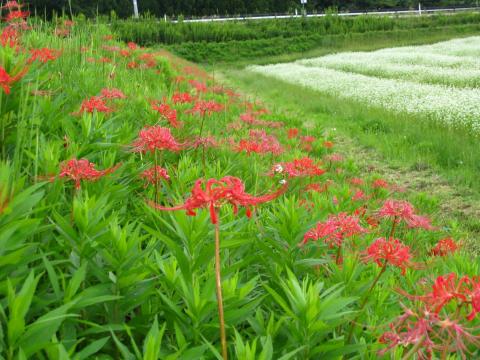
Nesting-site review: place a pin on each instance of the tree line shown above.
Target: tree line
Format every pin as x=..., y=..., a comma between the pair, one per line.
x=124, y=8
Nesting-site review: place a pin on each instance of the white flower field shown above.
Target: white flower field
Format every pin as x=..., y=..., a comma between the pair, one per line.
x=439, y=81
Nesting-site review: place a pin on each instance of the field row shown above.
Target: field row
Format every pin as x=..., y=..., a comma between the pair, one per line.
x=432, y=81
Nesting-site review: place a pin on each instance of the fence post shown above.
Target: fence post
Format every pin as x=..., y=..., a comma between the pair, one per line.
x=135, y=9
x=419, y=9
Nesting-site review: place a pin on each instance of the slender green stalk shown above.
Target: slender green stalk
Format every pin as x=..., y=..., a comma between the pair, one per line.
x=218, y=283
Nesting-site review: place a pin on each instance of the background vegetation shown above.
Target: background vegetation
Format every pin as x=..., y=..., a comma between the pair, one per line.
x=124, y=8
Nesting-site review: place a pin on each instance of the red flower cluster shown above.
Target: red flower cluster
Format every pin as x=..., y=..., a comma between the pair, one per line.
x=77, y=170
x=399, y=210
x=259, y=142
x=95, y=103
x=216, y=193
x=292, y=133
x=6, y=80
x=444, y=247
x=9, y=37
x=202, y=108
x=392, y=252
x=304, y=167
x=251, y=119
x=154, y=174
x=167, y=113
x=43, y=55
x=182, y=98
x=335, y=230
x=112, y=94
x=153, y=138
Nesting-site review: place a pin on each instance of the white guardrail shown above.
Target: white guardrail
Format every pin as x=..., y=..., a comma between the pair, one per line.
x=289, y=16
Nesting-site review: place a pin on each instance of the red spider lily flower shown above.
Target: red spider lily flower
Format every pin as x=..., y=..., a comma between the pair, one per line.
x=9, y=37
x=292, y=133
x=108, y=37
x=334, y=158
x=216, y=193
x=60, y=32
x=356, y=181
x=419, y=222
x=203, y=108
x=199, y=86
x=132, y=65
x=167, y=113
x=307, y=139
x=17, y=14
x=335, y=230
x=43, y=55
x=203, y=142
x=304, y=167
x=182, y=98
x=396, y=210
x=318, y=187
x=359, y=196
x=392, y=252
x=132, y=46
x=474, y=295
x=152, y=138
x=154, y=174
x=105, y=60
x=380, y=184
x=6, y=80
x=10, y=5
x=124, y=52
x=95, y=103
x=250, y=119
x=78, y=170
x=259, y=142
x=68, y=23
x=444, y=247
x=445, y=289
x=327, y=144
x=112, y=94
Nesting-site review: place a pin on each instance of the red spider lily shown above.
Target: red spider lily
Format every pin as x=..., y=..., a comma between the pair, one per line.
x=392, y=252
x=153, y=174
x=250, y=119
x=68, y=23
x=396, y=210
x=359, y=196
x=318, y=187
x=445, y=289
x=182, y=98
x=399, y=210
x=380, y=184
x=95, y=103
x=419, y=222
x=16, y=14
x=124, y=52
x=132, y=46
x=334, y=158
x=292, y=133
x=10, y=5
x=335, y=230
x=78, y=170
x=356, y=181
x=259, y=142
x=474, y=294
x=9, y=37
x=43, y=55
x=108, y=37
x=307, y=139
x=132, y=65
x=61, y=32
x=6, y=80
x=199, y=86
x=327, y=144
x=426, y=333
x=105, y=60
x=203, y=142
x=304, y=167
x=112, y=94
x=152, y=138
x=216, y=193
x=203, y=108
x=167, y=113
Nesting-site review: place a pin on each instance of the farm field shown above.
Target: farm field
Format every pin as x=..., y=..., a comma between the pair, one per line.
x=437, y=81
x=151, y=210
